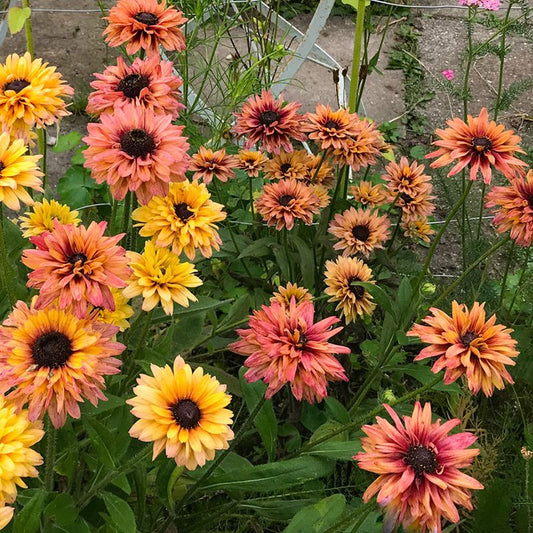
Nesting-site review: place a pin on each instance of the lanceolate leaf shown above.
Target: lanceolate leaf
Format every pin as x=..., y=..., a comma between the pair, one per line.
x=272, y=476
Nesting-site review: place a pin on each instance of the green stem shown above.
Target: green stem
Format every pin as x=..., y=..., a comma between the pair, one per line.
x=126, y=215
x=214, y=465
x=481, y=258
x=28, y=30
x=356, y=61
x=470, y=18
x=506, y=272
x=438, y=237
x=371, y=414
x=5, y=268
x=129, y=362
x=519, y=284
x=112, y=474
x=502, y=60
x=113, y=219
x=481, y=206
x=41, y=144
x=50, y=456
x=251, y=189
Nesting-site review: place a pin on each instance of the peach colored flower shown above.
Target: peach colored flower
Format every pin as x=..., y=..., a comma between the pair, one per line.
x=479, y=144
x=52, y=360
x=252, y=162
x=513, y=205
x=354, y=300
x=149, y=84
x=359, y=231
x=284, y=201
x=145, y=24
x=77, y=265
x=331, y=129
x=207, y=165
x=285, y=345
x=368, y=194
x=468, y=344
x=419, y=466
x=266, y=121
x=362, y=148
x=136, y=150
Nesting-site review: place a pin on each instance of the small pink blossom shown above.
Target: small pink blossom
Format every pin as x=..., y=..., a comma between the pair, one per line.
x=448, y=74
x=491, y=5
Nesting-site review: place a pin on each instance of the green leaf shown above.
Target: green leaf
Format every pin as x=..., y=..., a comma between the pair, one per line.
x=29, y=518
x=338, y=410
x=278, y=509
x=62, y=509
x=232, y=383
x=307, y=261
x=102, y=440
x=204, y=303
x=355, y=3
x=73, y=188
x=493, y=509
x=258, y=248
x=418, y=152
x=338, y=450
x=120, y=512
x=403, y=298
x=271, y=476
x=239, y=310
x=424, y=374
x=16, y=18
x=319, y=517
x=265, y=421
x=188, y=332
x=66, y=142
x=381, y=297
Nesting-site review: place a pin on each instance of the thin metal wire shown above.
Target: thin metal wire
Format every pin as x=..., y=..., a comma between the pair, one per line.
x=382, y=2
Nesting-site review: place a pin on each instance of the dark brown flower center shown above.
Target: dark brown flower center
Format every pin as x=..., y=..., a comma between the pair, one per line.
x=285, y=167
x=361, y=232
x=73, y=259
x=146, y=18
x=406, y=198
x=356, y=290
x=530, y=199
x=332, y=125
x=481, y=144
x=268, y=117
x=51, y=350
x=16, y=85
x=186, y=413
x=132, y=85
x=467, y=338
x=285, y=200
x=183, y=212
x=137, y=143
x=2, y=166
x=421, y=459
